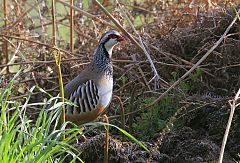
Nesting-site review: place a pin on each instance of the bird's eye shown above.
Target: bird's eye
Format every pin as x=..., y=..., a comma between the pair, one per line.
x=113, y=36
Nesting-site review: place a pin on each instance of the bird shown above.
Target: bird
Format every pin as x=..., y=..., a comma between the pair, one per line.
x=91, y=91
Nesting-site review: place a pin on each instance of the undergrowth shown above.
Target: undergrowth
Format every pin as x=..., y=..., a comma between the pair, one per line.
x=154, y=120
x=25, y=140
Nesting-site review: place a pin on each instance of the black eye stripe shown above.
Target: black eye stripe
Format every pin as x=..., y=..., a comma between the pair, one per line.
x=112, y=36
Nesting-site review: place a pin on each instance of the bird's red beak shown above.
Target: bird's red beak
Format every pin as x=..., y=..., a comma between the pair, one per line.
x=121, y=38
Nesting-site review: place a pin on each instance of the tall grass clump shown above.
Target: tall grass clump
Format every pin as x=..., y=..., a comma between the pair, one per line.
x=26, y=140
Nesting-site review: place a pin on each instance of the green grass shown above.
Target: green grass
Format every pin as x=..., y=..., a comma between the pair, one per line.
x=25, y=140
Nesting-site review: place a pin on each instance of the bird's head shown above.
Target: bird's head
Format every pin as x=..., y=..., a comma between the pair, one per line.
x=110, y=39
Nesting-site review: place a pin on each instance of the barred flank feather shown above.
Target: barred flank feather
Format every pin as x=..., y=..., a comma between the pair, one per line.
x=85, y=98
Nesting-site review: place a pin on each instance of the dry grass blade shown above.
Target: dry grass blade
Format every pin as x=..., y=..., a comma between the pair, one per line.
x=57, y=56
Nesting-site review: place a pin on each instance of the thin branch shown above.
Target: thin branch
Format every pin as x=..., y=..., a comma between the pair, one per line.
x=122, y=113
x=106, y=140
x=36, y=42
x=233, y=104
x=38, y=62
x=5, y=43
x=53, y=24
x=71, y=27
x=141, y=72
x=12, y=60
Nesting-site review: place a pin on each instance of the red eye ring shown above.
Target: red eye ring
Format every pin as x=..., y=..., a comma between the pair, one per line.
x=113, y=36
x=118, y=37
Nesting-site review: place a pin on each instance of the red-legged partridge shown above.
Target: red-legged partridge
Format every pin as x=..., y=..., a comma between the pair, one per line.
x=91, y=90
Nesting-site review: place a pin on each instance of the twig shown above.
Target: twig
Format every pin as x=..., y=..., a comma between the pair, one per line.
x=71, y=27
x=5, y=43
x=233, y=103
x=122, y=113
x=13, y=58
x=42, y=78
x=132, y=81
x=35, y=93
x=141, y=46
x=106, y=146
x=138, y=8
x=170, y=56
x=132, y=106
x=53, y=24
x=36, y=42
x=141, y=72
x=38, y=62
x=42, y=22
x=49, y=23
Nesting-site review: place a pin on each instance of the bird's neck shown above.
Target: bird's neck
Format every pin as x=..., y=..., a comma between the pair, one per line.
x=109, y=49
x=102, y=60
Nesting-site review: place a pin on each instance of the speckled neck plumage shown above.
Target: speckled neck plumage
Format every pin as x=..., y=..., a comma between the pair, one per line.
x=103, y=61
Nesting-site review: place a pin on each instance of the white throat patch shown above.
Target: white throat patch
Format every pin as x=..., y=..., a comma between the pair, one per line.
x=109, y=46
